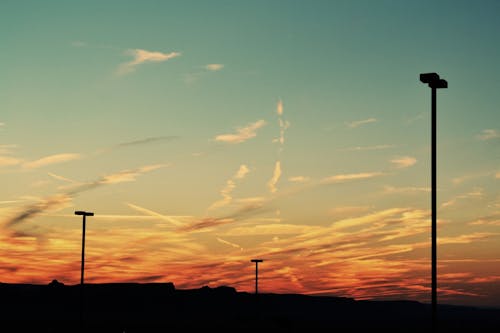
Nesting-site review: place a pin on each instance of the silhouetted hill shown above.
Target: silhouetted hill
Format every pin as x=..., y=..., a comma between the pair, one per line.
x=159, y=307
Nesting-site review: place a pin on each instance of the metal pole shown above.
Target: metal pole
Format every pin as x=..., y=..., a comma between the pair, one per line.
x=81, y=273
x=434, y=211
x=256, y=277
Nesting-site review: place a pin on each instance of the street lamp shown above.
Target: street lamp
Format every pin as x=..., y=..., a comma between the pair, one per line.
x=434, y=82
x=84, y=214
x=256, y=261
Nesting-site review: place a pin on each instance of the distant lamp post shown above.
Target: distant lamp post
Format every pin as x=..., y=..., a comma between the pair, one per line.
x=256, y=261
x=434, y=82
x=84, y=214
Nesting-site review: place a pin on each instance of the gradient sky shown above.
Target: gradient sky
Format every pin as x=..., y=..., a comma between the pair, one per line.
x=206, y=133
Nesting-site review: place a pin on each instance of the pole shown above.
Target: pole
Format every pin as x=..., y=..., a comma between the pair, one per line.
x=82, y=271
x=434, y=211
x=256, y=277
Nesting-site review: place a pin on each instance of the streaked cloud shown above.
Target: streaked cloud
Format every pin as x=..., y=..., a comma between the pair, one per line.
x=61, y=178
x=299, y=179
x=52, y=159
x=242, y=133
x=174, y=220
x=410, y=189
x=230, y=186
x=62, y=199
x=271, y=185
x=279, y=108
x=7, y=149
x=488, y=134
x=9, y=161
x=404, y=161
x=350, y=176
x=465, y=239
x=214, y=67
x=476, y=192
x=357, y=123
x=363, y=148
x=283, y=124
x=497, y=175
x=147, y=140
x=143, y=56
x=129, y=175
x=348, y=210
x=78, y=43
x=2, y=124
x=223, y=241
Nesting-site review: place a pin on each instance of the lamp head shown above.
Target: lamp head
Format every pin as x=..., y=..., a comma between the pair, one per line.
x=257, y=260
x=81, y=212
x=428, y=77
x=439, y=84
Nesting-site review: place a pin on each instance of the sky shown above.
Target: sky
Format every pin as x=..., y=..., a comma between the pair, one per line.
x=203, y=134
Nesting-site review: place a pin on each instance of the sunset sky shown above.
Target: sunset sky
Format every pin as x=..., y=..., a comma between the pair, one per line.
x=203, y=134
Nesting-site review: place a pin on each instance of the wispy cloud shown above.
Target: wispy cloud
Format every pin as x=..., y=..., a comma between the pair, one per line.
x=223, y=241
x=129, y=175
x=488, y=134
x=350, y=176
x=171, y=219
x=230, y=186
x=62, y=199
x=9, y=161
x=78, y=43
x=404, y=161
x=275, y=178
x=357, y=123
x=52, y=159
x=363, y=148
x=61, y=178
x=214, y=67
x=299, y=179
x=242, y=133
x=497, y=175
x=477, y=192
x=7, y=149
x=2, y=124
x=143, y=56
x=147, y=141
x=411, y=189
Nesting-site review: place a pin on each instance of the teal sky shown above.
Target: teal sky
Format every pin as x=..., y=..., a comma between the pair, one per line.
x=135, y=97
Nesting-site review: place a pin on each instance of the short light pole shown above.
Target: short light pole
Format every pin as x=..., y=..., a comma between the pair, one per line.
x=84, y=214
x=434, y=82
x=256, y=261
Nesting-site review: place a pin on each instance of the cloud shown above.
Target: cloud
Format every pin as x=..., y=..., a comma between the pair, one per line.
x=242, y=172
x=230, y=186
x=9, y=161
x=61, y=178
x=2, y=124
x=129, y=175
x=279, y=108
x=298, y=179
x=477, y=192
x=144, y=56
x=411, y=189
x=350, y=176
x=465, y=239
x=171, y=219
x=223, y=241
x=497, y=175
x=78, y=43
x=362, y=148
x=348, y=210
x=242, y=133
x=488, y=134
x=62, y=199
x=357, y=123
x=7, y=149
x=404, y=162
x=275, y=178
x=214, y=67
x=282, y=123
x=52, y=159
x=147, y=141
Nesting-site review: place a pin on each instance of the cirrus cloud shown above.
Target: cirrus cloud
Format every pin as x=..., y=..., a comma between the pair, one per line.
x=242, y=133
x=143, y=56
x=404, y=161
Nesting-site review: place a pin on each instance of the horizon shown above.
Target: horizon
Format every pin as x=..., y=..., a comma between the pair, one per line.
x=206, y=134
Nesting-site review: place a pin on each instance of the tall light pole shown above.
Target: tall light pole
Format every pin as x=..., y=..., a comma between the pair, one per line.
x=434, y=82
x=256, y=261
x=84, y=214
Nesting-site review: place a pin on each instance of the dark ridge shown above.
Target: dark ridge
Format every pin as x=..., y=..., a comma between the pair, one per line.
x=160, y=307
